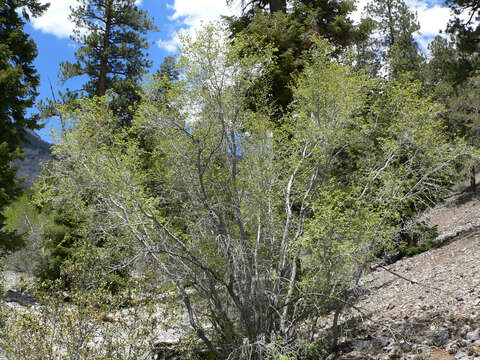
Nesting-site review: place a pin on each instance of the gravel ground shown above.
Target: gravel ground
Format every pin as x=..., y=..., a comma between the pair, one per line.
x=426, y=306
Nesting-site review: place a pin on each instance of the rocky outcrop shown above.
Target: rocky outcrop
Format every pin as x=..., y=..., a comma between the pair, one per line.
x=19, y=297
x=36, y=153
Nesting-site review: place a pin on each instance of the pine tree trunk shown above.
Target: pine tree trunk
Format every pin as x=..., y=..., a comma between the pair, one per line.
x=102, y=79
x=391, y=20
x=278, y=5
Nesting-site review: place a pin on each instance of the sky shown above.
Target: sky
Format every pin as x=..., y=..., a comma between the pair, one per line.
x=51, y=33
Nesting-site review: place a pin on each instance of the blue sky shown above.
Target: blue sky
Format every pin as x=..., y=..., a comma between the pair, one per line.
x=51, y=33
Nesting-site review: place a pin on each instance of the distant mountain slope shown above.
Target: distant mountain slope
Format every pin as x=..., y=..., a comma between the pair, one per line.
x=36, y=152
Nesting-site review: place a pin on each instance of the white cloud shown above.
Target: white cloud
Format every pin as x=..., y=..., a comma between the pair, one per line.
x=55, y=20
x=188, y=16
x=172, y=43
x=432, y=19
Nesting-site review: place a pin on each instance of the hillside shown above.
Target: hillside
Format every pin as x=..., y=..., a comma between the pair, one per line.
x=426, y=306
x=36, y=152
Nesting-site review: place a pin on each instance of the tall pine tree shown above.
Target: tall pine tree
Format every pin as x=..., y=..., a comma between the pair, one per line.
x=18, y=84
x=111, y=35
x=396, y=24
x=466, y=33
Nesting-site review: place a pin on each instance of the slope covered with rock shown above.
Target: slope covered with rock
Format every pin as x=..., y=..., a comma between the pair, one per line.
x=36, y=153
x=426, y=306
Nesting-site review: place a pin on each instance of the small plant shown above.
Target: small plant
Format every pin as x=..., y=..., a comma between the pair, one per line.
x=424, y=240
x=314, y=350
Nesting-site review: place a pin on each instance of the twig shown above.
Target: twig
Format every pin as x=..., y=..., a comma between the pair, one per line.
x=413, y=281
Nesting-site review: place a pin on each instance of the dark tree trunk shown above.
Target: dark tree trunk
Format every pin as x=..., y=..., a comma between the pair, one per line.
x=102, y=79
x=278, y=5
x=390, y=22
x=411, y=241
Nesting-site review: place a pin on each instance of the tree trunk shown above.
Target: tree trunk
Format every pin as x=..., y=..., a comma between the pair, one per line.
x=390, y=24
x=335, y=332
x=473, y=183
x=102, y=79
x=278, y=5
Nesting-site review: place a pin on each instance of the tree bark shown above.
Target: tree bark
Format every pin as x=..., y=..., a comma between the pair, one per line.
x=390, y=22
x=278, y=5
x=335, y=332
x=102, y=79
x=473, y=183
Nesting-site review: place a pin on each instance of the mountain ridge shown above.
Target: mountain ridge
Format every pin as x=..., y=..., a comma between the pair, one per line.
x=36, y=152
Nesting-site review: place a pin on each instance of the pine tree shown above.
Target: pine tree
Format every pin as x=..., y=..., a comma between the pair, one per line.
x=290, y=25
x=397, y=25
x=450, y=78
x=111, y=35
x=467, y=37
x=166, y=75
x=18, y=83
x=168, y=69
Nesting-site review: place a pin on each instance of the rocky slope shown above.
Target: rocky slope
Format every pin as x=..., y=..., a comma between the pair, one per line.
x=36, y=152
x=427, y=306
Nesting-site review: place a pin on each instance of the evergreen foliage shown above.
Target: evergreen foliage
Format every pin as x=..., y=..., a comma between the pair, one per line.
x=396, y=24
x=451, y=76
x=448, y=80
x=111, y=35
x=467, y=35
x=290, y=27
x=18, y=84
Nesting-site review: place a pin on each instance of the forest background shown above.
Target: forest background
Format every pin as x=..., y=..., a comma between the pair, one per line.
x=52, y=30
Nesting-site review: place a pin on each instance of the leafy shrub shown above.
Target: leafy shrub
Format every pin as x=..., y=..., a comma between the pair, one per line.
x=92, y=325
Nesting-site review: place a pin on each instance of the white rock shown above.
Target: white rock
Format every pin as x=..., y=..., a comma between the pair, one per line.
x=473, y=335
